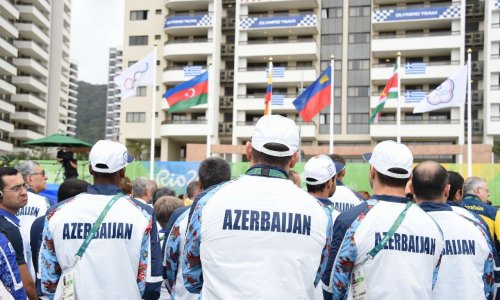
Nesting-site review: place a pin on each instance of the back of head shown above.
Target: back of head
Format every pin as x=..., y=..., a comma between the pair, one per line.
x=163, y=191
x=456, y=184
x=70, y=188
x=429, y=180
x=212, y=171
x=472, y=183
x=126, y=185
x=165, y=206
x=26, y=168
x=6, y=171
x=318, y=170
x=192, y=189
x=139, y=187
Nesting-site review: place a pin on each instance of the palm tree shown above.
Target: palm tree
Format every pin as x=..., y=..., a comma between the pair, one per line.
x=137, y=148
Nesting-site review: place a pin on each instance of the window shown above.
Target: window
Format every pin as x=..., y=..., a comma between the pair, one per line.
x=331, y=13
x=141, y=91
x=359, y=11
x=324, y=119
x=137, y=40
x=331, y=39
x=136, y=117
x=179, y=117
x=359, y=38
x=357, y=91
x=138, y=15
x=158, y=11
x=359, y=64
x=157, y=37
x=130, y=63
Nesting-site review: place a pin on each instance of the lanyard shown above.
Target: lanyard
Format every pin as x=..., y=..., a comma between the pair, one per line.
x=389, y=234
x=268, y=172
x=96, y=225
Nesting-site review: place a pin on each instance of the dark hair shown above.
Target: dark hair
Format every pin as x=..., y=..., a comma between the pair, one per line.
x=163, y=191
x=6, y=171
x=338, y=158
x=212, y=171
x=456, y=184
x=70, y=188
x=192, y=189
x=126, y=185
x=260, y=157
x=314, y=188
x=164, y=208
x=429, y=179
x=391, y=181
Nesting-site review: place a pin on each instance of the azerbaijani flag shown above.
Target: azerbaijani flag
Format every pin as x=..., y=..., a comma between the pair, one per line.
x=315, y=97
x=269, y=90
x=391, y=91
x=189, y=93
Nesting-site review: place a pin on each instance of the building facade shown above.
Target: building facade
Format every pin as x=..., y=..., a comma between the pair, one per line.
x=238, y=38
x=72, y=99
x=34, y=76
x=113, y=100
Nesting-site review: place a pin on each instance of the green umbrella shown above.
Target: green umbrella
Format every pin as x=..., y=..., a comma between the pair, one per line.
x=58, y=140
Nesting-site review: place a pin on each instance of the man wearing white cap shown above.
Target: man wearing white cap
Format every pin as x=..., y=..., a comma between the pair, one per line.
x=344, y=198
x=259, y=236
x=99, y=244
x=385, y=247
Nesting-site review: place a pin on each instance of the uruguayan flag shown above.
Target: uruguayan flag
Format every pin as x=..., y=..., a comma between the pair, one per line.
x=277, y=99
x=414, y=96
x=278, y=72
x=415, y=68
x=192, y=70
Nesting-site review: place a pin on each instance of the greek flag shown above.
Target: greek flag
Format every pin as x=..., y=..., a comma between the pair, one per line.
x=415, y=68
x=414, y=96
x=278, y=72
x=192, y=70
x=278, y=100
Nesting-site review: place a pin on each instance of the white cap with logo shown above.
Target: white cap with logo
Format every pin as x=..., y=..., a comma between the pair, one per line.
x=278, y=130
x=319, y=169
x=391, y=159
x=108, y=156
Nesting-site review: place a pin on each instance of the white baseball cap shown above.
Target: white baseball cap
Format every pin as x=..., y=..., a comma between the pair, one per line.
x=108, y=156
x=391, y=159
x=275, y=129
x=319, y=169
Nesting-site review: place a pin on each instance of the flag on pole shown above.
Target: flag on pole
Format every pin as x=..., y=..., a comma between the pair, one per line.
x=269, y=90
x=278, y=72
x=414, y=96
x=415, y=68
x=189, y=93
x=139, y=74
x=315, y=97
x=450, y=93
x=192, y=70
x=390, y=92
x=278, y=100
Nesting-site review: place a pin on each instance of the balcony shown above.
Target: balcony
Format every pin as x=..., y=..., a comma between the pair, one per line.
x=6, y=68
x=185, y=25
x=306, y=24
x=9, y=10
x=197, y=49
x=42, y=5
x=292, y=76
x=494, y=95
x=7, y=88
x=29, y=101
x=279, y=4
x=26, y=134
x=33, y=14
x=7, y=29
x=28, y=118
x=31, y=66
x=32, y=32
x=30, y=83
x=32, y=49
x=7, y=107
x=493, y=127
x=417, y=129
x=184, y=128
x=494, y=64
x=414, y=18
x=6, y=146
x=495, y=33
x=244, y=129
x=435, y=43
x=182, y=4
x=6, y=126
x=7, y=49
x=303, y=49
x=175, y=75
x=434, y=72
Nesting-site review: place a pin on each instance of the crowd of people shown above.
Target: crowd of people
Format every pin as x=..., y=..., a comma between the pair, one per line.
x=424, y=233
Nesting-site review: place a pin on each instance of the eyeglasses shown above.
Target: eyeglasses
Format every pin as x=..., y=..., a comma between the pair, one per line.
x=39, y=173
x=17, y=188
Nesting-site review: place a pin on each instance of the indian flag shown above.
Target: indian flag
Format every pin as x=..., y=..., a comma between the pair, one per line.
x=391, y=91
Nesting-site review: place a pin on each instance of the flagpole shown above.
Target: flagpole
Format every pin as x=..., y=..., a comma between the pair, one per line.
x=469, y=116
x=270, y=70
x=300, y=124
x=209, y=101
x=332, y=64
x=398, y=110
x=153, y=122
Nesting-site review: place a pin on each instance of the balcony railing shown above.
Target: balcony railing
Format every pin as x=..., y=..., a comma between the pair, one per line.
x=428, y=63
x=423, y=122
x=184, y=122
x=263, y=95
x=252, y=123
x=415, y=34
x=287, y=68
x=277, y=41
x=495, y=118
x=283, y=14
x=188, y=41
x=407, y=6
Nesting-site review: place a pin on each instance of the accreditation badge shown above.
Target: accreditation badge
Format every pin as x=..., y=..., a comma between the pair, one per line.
x=68, y=283
x=358, y=284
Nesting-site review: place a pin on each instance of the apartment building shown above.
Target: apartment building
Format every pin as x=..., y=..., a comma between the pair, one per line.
x=113, y=100
x=238, y=38
x=72, y=99
x=34, y=76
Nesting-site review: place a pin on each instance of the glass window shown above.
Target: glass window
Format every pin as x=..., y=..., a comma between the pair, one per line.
x=136, y=117
x=158, y=11
x=359, y=64
x=138, y=40
x=359, y=11
x=141, y=91
x=331, y=39
x=357, y=91
x=359, y=38
x=138, y=15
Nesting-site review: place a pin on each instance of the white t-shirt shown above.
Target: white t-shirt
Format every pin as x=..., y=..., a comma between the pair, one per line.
x=344, y=198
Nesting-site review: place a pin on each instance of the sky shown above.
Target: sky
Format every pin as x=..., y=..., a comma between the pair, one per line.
x=96, y=26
